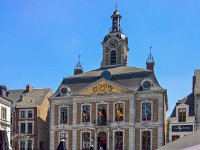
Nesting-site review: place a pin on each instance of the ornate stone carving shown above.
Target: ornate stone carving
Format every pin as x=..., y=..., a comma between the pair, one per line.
x=102, y=88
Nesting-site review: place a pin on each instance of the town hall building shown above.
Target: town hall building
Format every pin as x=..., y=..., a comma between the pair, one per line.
x=114, y=107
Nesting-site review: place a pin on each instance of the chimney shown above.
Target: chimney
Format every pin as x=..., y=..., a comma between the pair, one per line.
x=78, y=71
x=78, y=67
x=150, y=61
x=150, y=65
x=3, y=90
x=28, y=88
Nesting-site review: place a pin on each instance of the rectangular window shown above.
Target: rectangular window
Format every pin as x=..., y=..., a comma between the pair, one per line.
x=22, y=128
x=175, y=137
x=63, y=136
x=85, y=140
x=119, y=140
x=30, y=128
x=41, y=145
x=30, y=114
x=22, y=145
x=146, y=140
x=146, y=111
x=29, y=145
x=3, y=113
x=86, y=113
x=182, y=115
x=63, y=115
x=119, y=112
x=22, y=114
x=102, y=114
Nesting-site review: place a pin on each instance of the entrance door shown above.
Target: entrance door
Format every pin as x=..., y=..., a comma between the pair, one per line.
x=102, y=141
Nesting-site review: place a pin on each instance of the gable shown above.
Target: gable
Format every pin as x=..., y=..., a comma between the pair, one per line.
x=103, y=87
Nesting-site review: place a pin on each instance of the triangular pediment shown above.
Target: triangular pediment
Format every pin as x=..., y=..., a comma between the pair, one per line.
x=102, y=87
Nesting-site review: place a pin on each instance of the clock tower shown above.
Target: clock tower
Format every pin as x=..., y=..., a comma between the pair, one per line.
x=115, y=44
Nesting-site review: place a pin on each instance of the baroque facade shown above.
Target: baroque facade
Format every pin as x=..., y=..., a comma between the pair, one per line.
x=115, y=107
x=186, y=114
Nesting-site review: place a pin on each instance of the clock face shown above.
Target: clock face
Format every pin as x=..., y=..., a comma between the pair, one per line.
x=113, y=43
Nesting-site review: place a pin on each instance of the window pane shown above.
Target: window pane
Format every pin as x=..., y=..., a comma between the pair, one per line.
x=146, y=140
x=23, y=114
x=30, y=114
x=86, y=113
x=30, y=128
x=182, y=115
x=119, y=140
x=119, y=112
x=63, y=115
x=30, y=143
x=22, y=145
x=22, y=128
x=41, y=145
x=146, y=111
x=102, y=114
x=63, y=136
x=85, y=140
x=113, y=57
x=3, y=113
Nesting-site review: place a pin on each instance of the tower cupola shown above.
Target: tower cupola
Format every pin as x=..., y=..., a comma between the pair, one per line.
x=116, y=17
x=115, y=44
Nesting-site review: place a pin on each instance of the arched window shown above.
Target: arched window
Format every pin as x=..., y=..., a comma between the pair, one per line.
x=113, y=57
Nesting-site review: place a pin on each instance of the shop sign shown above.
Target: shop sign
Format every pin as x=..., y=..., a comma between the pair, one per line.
x=182, y=128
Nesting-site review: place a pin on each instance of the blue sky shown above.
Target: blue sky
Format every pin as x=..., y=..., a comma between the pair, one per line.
x=40, y=40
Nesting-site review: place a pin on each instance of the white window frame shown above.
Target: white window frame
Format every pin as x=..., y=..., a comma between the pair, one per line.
x=26, y=113
x=146, y=101
x=26, y=127
x=82, y=112
x=114, y=138
x=67, y=142
x=81, y=141
x=26, y=142
x=2, y=117
x=141, y=137
x=67, y=115
x=114, y=111
x=107, y=112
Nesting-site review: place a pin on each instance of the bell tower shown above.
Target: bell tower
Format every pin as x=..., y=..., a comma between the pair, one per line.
x=115, y=44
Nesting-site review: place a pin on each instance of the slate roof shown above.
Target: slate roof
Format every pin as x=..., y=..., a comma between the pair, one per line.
x=129, y=77
x=30, y=99
x=188, y=100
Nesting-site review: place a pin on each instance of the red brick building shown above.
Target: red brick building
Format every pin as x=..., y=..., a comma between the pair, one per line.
x=30, y=118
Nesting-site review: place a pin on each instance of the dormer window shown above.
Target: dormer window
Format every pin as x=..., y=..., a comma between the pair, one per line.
x=182, y=115
x=113, y=57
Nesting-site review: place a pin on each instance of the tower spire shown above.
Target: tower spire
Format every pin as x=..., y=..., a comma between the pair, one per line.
x=150, y=61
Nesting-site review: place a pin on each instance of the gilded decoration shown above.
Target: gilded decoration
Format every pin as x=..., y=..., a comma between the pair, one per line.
x=102, y=88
